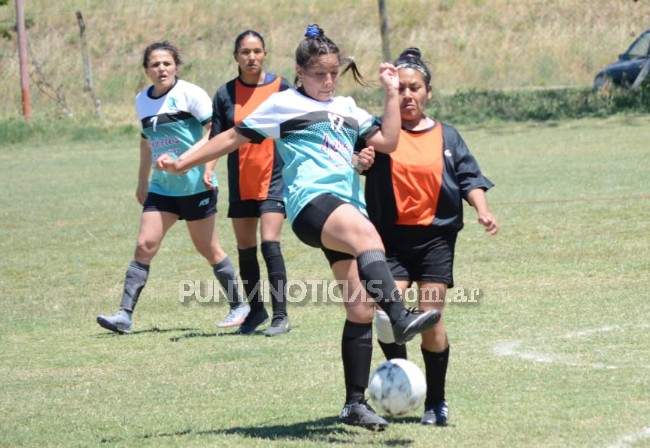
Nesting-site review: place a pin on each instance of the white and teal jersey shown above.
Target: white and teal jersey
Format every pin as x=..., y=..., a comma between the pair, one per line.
x=316, y=141
x=172, y=123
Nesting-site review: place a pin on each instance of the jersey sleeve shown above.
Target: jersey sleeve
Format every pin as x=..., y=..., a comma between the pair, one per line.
x=200, y=105
x=467, y=170
x=222, y=107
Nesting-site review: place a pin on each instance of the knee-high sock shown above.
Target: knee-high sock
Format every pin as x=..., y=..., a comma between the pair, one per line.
x=277, y=273
x=356, y=352
x=249, y=269
x=225, y=273
x=435, y=366
x=386, y=338
x=134, y=281
x=378, y=280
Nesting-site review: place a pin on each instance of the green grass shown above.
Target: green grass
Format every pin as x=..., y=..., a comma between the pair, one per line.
x=555, y=354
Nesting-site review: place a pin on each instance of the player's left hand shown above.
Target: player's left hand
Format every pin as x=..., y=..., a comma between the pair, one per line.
x=207, y=180
x=489, y=221
x=364, y=160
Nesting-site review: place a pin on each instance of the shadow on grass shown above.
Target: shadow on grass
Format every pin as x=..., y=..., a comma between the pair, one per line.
x=326, y=430
x=192, y=333
x=151, y=330
x=213, y=335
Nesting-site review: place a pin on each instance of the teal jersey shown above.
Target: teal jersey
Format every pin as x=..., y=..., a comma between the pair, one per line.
x=316, y=141
x=171, y=124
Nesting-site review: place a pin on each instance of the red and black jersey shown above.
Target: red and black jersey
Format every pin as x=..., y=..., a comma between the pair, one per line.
x=424, y=181
x=254, y=170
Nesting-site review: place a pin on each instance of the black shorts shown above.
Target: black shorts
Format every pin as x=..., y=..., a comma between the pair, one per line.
x=308, y=225
x=421, y=253
x=190, y=208
x=254, y=209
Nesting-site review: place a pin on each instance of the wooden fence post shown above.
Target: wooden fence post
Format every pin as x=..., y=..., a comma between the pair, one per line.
x=88, y=71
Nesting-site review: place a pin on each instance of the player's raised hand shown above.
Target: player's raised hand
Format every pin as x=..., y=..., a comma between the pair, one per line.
x=388, y=75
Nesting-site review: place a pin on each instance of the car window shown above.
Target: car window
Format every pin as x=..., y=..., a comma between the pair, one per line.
x=640, y=48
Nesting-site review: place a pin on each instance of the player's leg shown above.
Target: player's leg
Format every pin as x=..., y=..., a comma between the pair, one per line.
x=435, y=352
x=356, y=344
x=154, y=224
x=385, y=337
x=270, y=229
x=347, y=230
x=245, y=227
x=201, y=226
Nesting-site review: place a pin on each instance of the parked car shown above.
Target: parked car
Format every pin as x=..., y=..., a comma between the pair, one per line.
x=623, y=72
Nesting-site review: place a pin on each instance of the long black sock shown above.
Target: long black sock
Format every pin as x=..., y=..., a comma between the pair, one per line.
x=225, y=273
x=277, y=273
x=392, y=350
x=435, y=366
x=134, y=281
x=249, y=269
x=356, y=352
x=378, y=281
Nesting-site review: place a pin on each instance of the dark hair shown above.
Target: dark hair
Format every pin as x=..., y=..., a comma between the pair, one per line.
x=164, y=45
x=315, y=44
x=412, y=58
x=243, y=34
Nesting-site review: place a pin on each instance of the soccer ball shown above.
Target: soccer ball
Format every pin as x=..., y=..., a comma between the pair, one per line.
x=397, y=387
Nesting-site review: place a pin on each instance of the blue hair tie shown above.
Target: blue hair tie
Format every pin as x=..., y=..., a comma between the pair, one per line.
x=312, y=31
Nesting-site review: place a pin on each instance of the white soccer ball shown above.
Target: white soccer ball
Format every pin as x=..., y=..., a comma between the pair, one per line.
x=397, y=387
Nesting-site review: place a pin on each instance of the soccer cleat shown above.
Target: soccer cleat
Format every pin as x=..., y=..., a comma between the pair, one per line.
x=361, y=414
x=279, y=325
x=438, y=414
x=253, y=320
x=235, y=317
x=412, y=322
x=119, y=322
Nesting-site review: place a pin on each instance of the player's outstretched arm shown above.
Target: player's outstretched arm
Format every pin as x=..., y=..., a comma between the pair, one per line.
x=222, y=144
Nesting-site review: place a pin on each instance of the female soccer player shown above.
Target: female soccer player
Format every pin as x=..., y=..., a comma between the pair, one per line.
x=316, y=133
x=255, y=186
x=415, y=199
x=173, y=114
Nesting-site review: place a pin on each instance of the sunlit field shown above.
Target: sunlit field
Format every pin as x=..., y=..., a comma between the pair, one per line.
x=554, y=353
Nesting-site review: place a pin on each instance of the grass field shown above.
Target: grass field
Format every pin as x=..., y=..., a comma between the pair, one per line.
x=555, y=353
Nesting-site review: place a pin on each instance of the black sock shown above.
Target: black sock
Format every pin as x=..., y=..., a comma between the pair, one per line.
x=435, y=366
x=249, y=269
x=225, y=273
x=356, y=352
x=277, y=273
x=134, y=281
x=392, y=350
x=378, y=281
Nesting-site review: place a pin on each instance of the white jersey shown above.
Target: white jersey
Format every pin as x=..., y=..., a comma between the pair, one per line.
x=173, y=123
x=316, y=141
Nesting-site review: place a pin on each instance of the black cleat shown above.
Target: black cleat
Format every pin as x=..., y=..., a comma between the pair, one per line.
x=361, y=414
x=253, y=320
x=412, y=322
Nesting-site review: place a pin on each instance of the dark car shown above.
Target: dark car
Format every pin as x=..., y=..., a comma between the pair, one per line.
x=624, y=72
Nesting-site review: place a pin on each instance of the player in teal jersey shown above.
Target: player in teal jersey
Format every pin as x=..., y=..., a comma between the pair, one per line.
x=316, y=134
x=174, y=116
